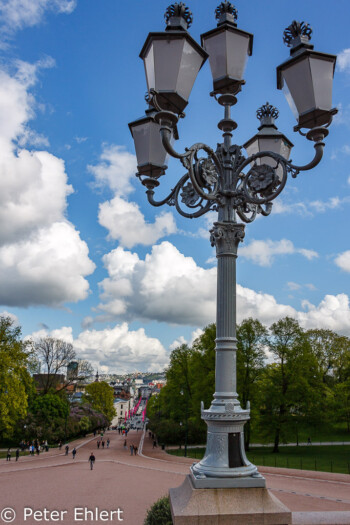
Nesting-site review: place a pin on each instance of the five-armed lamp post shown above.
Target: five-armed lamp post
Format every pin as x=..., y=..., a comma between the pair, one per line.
x=238, y=187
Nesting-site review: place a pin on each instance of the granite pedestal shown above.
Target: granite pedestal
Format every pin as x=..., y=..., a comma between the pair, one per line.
x=226, y=506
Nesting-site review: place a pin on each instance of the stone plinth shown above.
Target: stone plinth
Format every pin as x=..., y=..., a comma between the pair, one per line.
x=226, y=506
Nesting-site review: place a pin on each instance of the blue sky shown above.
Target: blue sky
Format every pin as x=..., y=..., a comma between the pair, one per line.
x=82, y=254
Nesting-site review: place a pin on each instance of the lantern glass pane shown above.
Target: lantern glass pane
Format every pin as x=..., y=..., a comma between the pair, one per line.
x=252, y=148
x=228, y=52
x=149, y=68
x=215, y=46
x=237, y=54
x=148, y=145
x=300, y=85
x=322, y=74
x=191, y=63
x=167, y=62
x=276, y=145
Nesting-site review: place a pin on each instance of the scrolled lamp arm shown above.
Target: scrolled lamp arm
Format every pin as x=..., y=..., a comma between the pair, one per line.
x=173, y=200
x=167, y=121
x=317, y=135
x=270, y=192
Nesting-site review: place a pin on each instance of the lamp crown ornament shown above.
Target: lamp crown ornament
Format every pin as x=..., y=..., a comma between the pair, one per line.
x=226, y=12
x=297, y=34
x=267, y=111
x=178, y=16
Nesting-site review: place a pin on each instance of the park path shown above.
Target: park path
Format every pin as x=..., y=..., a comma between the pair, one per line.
x=132, y=483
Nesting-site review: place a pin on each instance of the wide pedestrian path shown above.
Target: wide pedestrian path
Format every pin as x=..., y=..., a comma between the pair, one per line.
x=119, y=480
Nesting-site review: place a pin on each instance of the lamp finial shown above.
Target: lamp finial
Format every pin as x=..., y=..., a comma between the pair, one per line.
x=178, y=16
x=297, y=35
x=226, y=12
x=267, y=115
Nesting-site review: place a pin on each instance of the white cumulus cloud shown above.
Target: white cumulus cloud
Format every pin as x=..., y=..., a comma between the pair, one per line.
x=343, y=60
x=168, y=287
x=116, y=169
x=332, y=313
x=114, y=349
x=127, y=224
x=48, y=268
x=121, y=217
x=263, y=253
x=42, y=258
x=16, y=14
x=343, y=261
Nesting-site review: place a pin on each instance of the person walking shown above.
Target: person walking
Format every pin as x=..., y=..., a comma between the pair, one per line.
x=60, y=445
x=131, y=450
x=8, y=457
x=17, y=454
x=125, y=445
x=103, y=444
x=108, y=442
x=98, y=443
x=74, y=451
x=92, y=460
x=67, y=449
x=135, y=450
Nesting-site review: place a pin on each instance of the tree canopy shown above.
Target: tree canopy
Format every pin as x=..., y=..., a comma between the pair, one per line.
x=16, y=385
x=101, y=396
x=290, y=376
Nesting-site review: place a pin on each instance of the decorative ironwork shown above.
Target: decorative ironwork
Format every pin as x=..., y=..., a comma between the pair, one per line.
x=188, y=195
x=179, y=10
x=261, y=178
x=294, y=30
x=226, y=7
x=267, y=111
x=208, y=172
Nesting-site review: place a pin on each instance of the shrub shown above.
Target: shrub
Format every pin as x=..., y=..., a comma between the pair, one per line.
x=159, y=513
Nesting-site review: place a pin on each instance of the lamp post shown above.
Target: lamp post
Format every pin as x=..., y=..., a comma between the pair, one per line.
x=237, y=187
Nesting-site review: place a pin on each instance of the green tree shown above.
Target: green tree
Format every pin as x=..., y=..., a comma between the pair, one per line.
x=251, y=341
x=84, y=424
x=326, y=346
x=101, y=396
x=48, y=416
x=289, y=386
x=15, y=382
x=203, y=373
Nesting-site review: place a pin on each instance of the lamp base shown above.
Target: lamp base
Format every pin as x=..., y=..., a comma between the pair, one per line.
x=240, y=482
x=226, y=506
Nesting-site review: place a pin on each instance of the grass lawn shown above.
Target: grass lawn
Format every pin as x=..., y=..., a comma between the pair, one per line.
x=324, y=458
x=13, y=454
x=329, y=433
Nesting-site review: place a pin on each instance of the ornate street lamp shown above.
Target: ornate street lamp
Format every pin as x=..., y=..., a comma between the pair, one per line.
x=307, y=78
x=235, y=186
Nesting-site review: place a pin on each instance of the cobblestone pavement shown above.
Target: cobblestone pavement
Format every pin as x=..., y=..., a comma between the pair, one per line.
x=131, y=484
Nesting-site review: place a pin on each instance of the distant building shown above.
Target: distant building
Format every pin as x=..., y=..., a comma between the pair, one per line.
x=72, y=370
x=56, y=381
